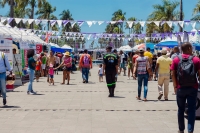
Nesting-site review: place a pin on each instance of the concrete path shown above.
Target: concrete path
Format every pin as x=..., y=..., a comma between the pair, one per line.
x=86, y=108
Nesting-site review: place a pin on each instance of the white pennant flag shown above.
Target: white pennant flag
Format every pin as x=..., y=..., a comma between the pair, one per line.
x=82, y=38
x=130, y=24
x=94, y=22
x=142, y=23
x=157, y=23
x=3, y=19
x=89, y=36
x=181, y=23
x=30, y=21
x=17, y=20
x=169, y=23
x=149, y=22
x=113, y=22
x=193, y=24
x=59, y=23
x=24, y=20
x=37, y=21
x=100, y=22
x=53, y=22
x=89, y=23
x=175, y=23
x=72, y=24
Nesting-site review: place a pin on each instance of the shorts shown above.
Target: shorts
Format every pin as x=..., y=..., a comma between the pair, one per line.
x=37, y=73
x=68, y=69
x=51, y=76
x=122, y=65
x=43, y=66
x=130, y=66
x=100, y=75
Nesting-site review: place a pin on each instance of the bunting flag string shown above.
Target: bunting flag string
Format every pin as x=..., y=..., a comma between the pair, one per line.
x=90, y=23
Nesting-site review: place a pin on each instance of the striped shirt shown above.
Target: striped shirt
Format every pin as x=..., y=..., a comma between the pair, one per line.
x=143, y=65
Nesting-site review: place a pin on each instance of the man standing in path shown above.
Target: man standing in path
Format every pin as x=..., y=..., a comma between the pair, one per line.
x=163, y=64
x=50, y=60
x=4, y=66
x=123, y=62
x=110, y=69
x=184, y=69
x=85, y=64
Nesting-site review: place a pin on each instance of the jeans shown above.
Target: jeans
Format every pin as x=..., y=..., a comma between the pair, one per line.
x=3, y=84
x=143, y=78
x=31, y=78
x=85, y=74
x=189, y=94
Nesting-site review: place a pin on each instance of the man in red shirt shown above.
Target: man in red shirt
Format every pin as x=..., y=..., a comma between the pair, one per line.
x=186, y=89
x=38, y=69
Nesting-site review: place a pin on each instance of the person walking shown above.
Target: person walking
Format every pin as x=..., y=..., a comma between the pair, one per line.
x=144, y=73
x=38, y=69
x=44, y=62
x=154, y=61
x=184, y=69
x=118, y=59
x=149, y=55
x=85, y=64
x=176, y=52
x=31, y=70
x=163, y=69
x=57, y=63
x=130, y=65
x=4, y=66
x=110, y=69
x=67, y=66
x=123, y=60
x=50, y=60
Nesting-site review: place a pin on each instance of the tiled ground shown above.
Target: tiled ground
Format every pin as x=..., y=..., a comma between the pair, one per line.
x=85, y=108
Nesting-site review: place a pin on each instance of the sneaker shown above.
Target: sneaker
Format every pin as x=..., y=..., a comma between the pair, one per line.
x=4, y=101
x=31, y=92
x=84, y=81
x=166, y=99
x=160, y=96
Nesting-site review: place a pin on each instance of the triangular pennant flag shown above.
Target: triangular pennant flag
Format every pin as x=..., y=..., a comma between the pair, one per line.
x=89, y=23
x=163, y=22
x=169, y=23
x=17, y=20
x=130, y=24
x=9, y=20
x=193, y=24
x=100, y=22
x=89, y=37
x=3, y=19
x=94, y=22
x=176, y=23
x=113, y=22
x=82, y=38
x=72, y=24
x=80, y=23
x=181, y=23
x=157, y=23
x=30, y=21
x=53, y=22
x=44, y=22
x=24, y=20
x=59, y=23
x=65, y=22
x=142, y=23
x=149, y=22
x=37, y=21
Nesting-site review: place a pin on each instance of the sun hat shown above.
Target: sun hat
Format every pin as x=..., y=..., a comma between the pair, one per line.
x=164, y=51
x=67, y=53
x=141, y=50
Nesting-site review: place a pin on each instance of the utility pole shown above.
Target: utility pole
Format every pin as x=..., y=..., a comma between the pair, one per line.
x=12, y=4
x=181, y=14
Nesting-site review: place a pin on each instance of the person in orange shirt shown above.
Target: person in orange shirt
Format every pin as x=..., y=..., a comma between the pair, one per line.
x=38, y=69
x=85, y=64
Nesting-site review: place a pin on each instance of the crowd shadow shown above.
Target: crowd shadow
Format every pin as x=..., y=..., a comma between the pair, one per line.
x=6, y=106
x=118, y=97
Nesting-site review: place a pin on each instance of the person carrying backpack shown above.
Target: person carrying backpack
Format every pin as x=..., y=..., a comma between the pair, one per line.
x=4, y=66
x=85, y=64
x=185, y=69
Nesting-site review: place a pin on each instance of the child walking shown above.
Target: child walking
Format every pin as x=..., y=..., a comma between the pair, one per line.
x=100, y=73
x=51, y=74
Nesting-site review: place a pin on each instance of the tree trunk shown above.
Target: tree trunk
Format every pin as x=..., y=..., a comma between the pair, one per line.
x=12, y=11
x=181, y=14
x=32, y=13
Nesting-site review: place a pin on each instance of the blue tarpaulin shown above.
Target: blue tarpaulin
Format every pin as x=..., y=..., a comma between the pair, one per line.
x=61, y=50
x=169, y=44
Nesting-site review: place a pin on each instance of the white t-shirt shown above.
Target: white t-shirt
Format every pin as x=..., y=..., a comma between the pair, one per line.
x=122, y=58
x=57, y=60
x=100, y=70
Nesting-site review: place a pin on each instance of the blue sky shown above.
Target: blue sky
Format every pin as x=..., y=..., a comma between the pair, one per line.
x=103, y=10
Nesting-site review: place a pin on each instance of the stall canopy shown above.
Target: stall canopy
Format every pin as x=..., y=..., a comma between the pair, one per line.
x=125, y=48
x=19, y=35
x=148, y=45
x=169, y=44
x=55, y=48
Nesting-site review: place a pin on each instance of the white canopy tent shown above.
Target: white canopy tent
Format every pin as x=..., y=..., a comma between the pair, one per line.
x=66, y=47
x=125, y=48
x=54, y=45
x=19, y=35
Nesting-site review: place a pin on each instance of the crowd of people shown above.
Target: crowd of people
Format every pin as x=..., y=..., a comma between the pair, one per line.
x=143, y=66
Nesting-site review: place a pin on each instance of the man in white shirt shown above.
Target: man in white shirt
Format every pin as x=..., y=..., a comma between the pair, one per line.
x=57, y=63
x=4, y=66
x=122, y=62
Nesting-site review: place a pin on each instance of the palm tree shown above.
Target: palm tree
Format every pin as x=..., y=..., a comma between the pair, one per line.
x=136, y=28
x=117, y=16
x=32, y=4
x=45, y=11
x=196, y=11
x=11, y=3
x=165, y=12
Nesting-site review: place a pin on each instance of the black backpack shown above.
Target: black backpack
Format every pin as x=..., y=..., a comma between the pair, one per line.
x=125, y=57
x=186, y=74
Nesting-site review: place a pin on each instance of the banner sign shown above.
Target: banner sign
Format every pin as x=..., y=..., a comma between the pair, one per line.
x=38, y=48
x=6, y=47
x=17, y=69
x=24, y=45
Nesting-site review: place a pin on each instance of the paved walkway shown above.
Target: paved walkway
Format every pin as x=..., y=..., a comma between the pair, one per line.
x=86, y=108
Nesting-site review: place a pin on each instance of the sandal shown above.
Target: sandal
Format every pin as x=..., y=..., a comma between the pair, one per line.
x=62, y=83
x=145, y=100
x=138, y=98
